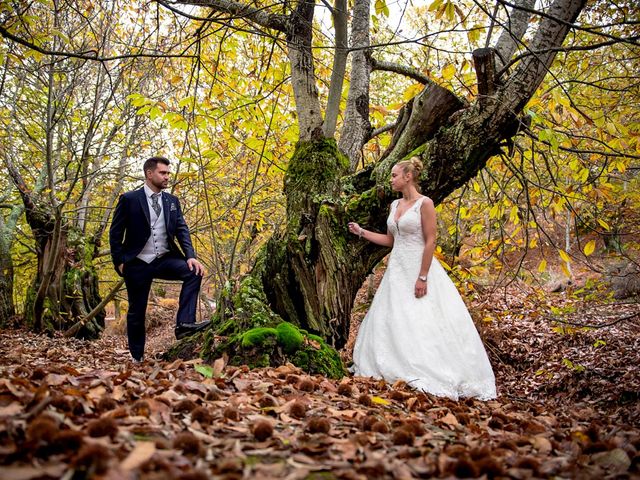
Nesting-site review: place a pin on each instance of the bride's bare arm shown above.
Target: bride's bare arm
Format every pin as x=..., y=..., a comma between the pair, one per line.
x=429, y=231
x=386, y=240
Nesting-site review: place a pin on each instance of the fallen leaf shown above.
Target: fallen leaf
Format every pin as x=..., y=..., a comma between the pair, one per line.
x=142, y=452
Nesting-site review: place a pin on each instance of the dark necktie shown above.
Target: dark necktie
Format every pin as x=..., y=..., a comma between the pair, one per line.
x=154, y=203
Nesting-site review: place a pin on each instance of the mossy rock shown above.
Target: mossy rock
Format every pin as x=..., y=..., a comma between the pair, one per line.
x=273, y=346
x=289, y=337
x=257, y=336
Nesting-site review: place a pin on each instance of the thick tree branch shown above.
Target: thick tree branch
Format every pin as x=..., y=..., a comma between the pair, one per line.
x=531, y=71
x=557, y=17
x=513, y=31
x=574, y=48
x=405, y=70
x=241, y=10
x=381, y=130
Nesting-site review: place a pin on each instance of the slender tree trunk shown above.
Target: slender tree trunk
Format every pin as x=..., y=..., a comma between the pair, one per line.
x=7, y=308
x=356, y=126
x=339, y=14
x=299, y=37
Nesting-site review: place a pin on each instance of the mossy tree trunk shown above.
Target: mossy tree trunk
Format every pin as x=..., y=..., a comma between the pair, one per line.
x=7, y=308
x=65, y=288
x=309, y=273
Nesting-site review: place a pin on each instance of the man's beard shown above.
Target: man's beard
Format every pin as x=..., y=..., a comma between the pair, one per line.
x=160, y=185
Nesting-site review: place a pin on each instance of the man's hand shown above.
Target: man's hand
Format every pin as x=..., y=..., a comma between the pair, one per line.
x=195, y=266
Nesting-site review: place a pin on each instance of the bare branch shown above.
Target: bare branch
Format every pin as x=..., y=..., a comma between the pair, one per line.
x=381, y=130
x=405, y=70
x=86, y=55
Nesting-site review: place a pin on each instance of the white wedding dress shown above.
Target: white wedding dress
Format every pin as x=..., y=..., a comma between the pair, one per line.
x=430, y=342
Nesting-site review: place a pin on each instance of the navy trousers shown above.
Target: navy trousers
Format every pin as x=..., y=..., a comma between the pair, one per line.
x=138, y=276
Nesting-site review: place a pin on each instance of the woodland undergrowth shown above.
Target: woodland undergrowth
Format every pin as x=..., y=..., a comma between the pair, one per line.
x=568, y=406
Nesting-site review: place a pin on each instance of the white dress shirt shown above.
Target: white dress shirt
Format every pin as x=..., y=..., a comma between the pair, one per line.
x=158, y=242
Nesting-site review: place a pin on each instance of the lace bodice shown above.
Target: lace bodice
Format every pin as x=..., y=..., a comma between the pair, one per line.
x=407, y=231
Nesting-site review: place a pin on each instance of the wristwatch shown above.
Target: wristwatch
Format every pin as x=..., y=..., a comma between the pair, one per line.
x=422, y=277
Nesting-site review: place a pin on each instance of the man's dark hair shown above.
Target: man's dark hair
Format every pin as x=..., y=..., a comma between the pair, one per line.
x=153, y=162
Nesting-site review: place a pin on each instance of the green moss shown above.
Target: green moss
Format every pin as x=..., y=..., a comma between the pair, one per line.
x=315, y=338
x=314, y=169
x=257, y=336
x=289, y=337
x=325, y=360
x=337, y=228
x=265, y=346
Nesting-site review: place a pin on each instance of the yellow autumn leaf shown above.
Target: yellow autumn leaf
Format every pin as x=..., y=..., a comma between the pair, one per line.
x=565, y=269
x=542, y=266
x=411, y=91
x=564, y=256
x=380, y=401
x=448, y=72
x=589, y=248
x=604, y=224
x=513, y=215
x=435, y=5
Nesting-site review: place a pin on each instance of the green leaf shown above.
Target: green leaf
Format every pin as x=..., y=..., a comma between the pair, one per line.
x=434, y=6
x=381, y=8
x=204, y=370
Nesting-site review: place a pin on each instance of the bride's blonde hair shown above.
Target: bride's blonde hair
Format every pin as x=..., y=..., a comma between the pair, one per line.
x=412, y=166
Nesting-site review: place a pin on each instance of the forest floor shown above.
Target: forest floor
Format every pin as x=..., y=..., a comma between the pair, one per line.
x=566, y=366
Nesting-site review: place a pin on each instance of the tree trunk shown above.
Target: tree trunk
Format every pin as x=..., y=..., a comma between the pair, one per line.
x=65, y=288
x=7, y=309
x=305, y=91
x=356, y=126
x=7, y=236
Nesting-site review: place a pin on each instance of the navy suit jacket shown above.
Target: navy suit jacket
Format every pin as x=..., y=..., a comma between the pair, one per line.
x=131, y=227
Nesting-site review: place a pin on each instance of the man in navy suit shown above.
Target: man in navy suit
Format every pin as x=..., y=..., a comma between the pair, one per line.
x=145, y=227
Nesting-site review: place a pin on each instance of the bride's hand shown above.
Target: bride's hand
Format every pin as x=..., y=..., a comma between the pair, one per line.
x=420, y=289
x=354, y=228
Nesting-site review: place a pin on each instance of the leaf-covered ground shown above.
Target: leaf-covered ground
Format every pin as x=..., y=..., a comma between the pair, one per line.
x=568, y=408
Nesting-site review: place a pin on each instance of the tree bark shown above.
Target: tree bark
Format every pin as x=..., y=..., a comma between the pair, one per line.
x=305, y=91
x=356, y=127
x=65, y=280
x=7, y=308
x=485, y=65
x=513, y=31
x=339, y=13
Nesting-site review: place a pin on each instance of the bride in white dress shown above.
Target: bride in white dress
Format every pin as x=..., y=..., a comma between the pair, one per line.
x=418, y=328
